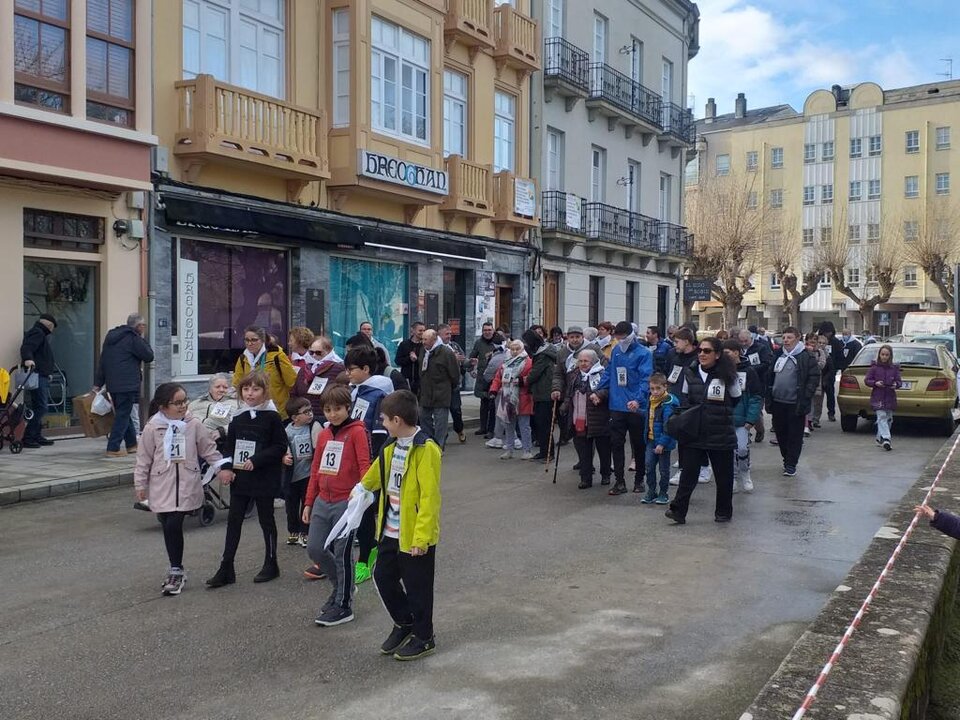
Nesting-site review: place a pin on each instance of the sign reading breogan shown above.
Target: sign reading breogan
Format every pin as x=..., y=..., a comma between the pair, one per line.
x=400, y=172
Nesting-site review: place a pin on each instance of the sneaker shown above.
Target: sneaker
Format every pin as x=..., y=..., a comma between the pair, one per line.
x=174, y=583
x=662, y=499
x=527, y=455
x=747, y=483
x=494, y=443
x=314, y=572
x=605, y=480
x=675, y=480
x=648, y=499
x=481, y=431
x=130, y=450
x=816, y=424
x=736, y=487
x=329, y=605
x=887, y=445
x=878, y=441
x=789, y=471
x=362, y=573
x=832, y=418
x=462, y=436
x=334, y=616
x=293, y=539
x=638, y=487
x=584, y=485
x=633, y=465
x=678, y=519
x=109, y=453
x=395, y=640
x=302, y=541
x=415, y=648
x=518, y=444
x=774, y=441
x=44, y=441
x=508, y=455
x=722, y=518
x=619, y=488
x=704, y=476
x=676, y=465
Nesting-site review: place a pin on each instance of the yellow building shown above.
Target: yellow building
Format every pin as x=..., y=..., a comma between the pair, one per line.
x=329, y=163
x=865, y=166
x=75, y=142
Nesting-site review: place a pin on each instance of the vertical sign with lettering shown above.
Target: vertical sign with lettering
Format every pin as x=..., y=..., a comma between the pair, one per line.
x=188, y=316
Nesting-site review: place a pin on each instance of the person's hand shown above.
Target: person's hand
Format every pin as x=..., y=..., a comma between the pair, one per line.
x=248, y=466
x=413, y=356
x=305, y=517
x=878, y=383
x=658, y=450
x=287, y=459
x=417, y=552
x=926, y=511
x=748, y=426
x=142, y=494
x=594, y=398
x=633, y=406
x=95, y=389
x=226, y=476
x=29, y=363
x=555, y=395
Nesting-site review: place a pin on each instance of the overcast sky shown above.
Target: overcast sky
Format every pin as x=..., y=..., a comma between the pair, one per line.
x=779, y=51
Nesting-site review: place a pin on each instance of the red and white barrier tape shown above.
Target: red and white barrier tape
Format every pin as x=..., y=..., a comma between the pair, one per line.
x=822, y=678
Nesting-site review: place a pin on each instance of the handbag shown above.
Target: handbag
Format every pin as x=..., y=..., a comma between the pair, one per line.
x=685, y=425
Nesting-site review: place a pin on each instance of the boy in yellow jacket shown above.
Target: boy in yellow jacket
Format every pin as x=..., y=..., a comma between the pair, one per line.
x=407, y=473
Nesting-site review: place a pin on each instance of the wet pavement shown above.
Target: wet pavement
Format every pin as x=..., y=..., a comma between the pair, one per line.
x=551, y=602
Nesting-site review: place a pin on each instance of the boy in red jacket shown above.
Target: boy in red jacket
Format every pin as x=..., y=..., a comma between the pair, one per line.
x=341, y=458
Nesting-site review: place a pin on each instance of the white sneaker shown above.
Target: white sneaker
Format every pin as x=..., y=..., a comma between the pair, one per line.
x=806, y=432
x=747, y=482
x=704, y=474
x=508, y=455
x=494, y=443
x=675, y=480
x=518, y=444
x=279, y=503
x=527, y=456
x=736, y=486
x=676, y=465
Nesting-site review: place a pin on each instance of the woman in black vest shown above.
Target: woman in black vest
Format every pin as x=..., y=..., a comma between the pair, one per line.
x=709, y=393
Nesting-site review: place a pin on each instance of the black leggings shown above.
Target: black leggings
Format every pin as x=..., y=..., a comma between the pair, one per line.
x=238, y=507
x=366, y=532
x=172, y=523
x=296, y=494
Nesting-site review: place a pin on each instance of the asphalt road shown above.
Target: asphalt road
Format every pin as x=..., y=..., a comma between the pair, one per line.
x=551, y=602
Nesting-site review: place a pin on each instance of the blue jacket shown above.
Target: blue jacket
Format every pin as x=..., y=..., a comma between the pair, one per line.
x=751, y=400
x=371, y=395
x=638, y=364
x=947, y=523
x=660, y=355
x=664, y=412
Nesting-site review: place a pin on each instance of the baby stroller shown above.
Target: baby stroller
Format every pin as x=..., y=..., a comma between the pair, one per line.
x=13, y=416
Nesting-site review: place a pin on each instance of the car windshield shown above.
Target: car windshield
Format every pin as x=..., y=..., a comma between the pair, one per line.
x=916, y=356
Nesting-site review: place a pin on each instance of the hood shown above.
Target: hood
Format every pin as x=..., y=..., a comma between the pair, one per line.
x=118, y=334
x=380, y=383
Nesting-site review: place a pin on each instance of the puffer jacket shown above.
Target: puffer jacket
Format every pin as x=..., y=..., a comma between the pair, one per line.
x=598, y=416
x=173, y=486
x=751, y=397
x=281, y=376
x=883, y=398
x=663, y=413
x=716, y=426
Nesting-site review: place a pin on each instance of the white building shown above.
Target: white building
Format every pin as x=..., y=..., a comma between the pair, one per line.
x=610, y=141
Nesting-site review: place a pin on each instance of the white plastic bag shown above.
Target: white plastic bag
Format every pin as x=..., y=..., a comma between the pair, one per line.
x=101, y=405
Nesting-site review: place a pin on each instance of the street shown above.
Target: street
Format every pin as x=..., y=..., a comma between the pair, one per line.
x=551, y=602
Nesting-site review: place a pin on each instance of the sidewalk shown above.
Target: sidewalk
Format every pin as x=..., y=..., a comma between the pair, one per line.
x=79, y=465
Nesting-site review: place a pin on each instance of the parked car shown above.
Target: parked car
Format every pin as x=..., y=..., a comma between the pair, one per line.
x=946, y=339
x=929, y=389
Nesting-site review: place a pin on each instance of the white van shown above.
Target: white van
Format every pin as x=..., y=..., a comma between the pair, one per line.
x=926, y=323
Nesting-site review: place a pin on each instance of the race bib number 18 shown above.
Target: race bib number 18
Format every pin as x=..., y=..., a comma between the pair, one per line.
x=243, y=451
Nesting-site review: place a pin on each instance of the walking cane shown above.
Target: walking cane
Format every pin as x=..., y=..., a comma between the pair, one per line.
x=550, y=448
x=556, y=464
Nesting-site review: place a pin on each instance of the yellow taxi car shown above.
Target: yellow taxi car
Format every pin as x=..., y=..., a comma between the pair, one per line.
x=929, y=390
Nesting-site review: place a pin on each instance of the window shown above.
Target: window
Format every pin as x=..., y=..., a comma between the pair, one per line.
x=454, y=114
x=341, y=67
x=237, y=41
x=110, y=51
x=752, y=160
x=856, y=190
x=826, y=194
x=856, y=147
x=598, y=174
x=400, y=82
x=853, y=277
x=875, y=146
x=909, y=275
x=776, y=157
x=808, y=237
x=911, y=230
x=752, y=200
x=809, y=194
x=504, y=131
x=825, y=279
x=599, y=38
x=828, y=150
x=853, y=234
x=825, y=234
x=554, y=159
x=554, y=19
x=723, y=165
x=873, y=232
x=774, y=281
x=691, y=173
x=595, y=294
x=943, y=183
x=809, y=153
x=871, y=276
x=913, y=141
x=873, y=190
x=666, y=196
x=776, y=198
x=633, y=185
x=911, y=186
x=59, y=231
x=943, y=138
x=631, y=300
x=41, y=53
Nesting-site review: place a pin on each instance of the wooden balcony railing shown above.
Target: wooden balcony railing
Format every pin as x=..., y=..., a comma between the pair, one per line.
x=471, y=191
x=470, y=22
x=221, y=121
x=517, y=39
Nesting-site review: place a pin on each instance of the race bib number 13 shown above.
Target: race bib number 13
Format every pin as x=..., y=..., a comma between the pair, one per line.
x=331, y=458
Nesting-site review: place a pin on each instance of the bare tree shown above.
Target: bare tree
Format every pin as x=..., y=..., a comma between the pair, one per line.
x=931, y=242
x=798, y=269
x=722, y=214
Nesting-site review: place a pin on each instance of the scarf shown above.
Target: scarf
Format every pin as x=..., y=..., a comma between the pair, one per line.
x=310, y=361
x=331, y=357
x=254, y=359
x=510, y=385
x=655, y=403
x=602, y=342
x=172, y=428
x=268, y=405
x=543, y=348
x=627, y=342
x=572, y=357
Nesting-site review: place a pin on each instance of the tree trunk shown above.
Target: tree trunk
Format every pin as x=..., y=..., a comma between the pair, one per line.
x=866, y=318
x=731, y=313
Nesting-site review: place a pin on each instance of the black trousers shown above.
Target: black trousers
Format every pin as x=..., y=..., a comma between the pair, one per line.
x=367, y=530
x=405, y=584
x=788, y=426
x=691, y=461
x=486, y=405
x=172, y=523
x=542, y=415
x=238, y=507
x=830, y=393
x=622, y=425
x=585, y=448
x=295, y=496
x=456, y=410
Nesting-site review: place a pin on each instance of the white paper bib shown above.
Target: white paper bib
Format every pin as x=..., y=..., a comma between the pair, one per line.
x=331, y=458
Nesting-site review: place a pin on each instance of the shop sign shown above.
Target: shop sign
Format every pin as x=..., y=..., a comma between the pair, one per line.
x=573, y=211
x=400, y=172
x=188, y=316
x=524, y=197
x=697, y=289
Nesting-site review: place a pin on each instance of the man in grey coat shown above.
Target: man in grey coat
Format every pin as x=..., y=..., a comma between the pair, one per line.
x=439, y=373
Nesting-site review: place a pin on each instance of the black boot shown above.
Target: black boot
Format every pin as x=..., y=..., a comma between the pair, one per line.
x=268, y=572
x=225, y=576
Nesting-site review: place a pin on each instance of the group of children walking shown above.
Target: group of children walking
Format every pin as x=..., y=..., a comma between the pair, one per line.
x=369, y=441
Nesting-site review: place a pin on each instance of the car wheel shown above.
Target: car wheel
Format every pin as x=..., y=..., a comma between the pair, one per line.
x=848, y=423
x=947, y=425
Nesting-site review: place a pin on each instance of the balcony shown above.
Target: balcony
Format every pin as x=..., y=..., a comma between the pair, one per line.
x=469, y=22
x=514, y=203
x=566, y=71
x=617, y=226
x=623, y=101
x=471, y=192
x=228, y=124
x=674, y=240
x=679, y=130
x=516, y=41
x=562, y=217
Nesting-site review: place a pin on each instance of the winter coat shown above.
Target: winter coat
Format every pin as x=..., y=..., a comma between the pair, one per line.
x=663, y=413
x=676, y=363
x=281, y=376
x=367, y=397
x=266, y=430
x=482, y=351
x=540, y=379
x=36, y=347
x=560, y=370
x=214, y=418
x=847, y=352
x=173, y=486
x=408, y=368
x=822, y=358
x=883, y=398
x=525, y=405
x=354, y=463
x=326, y=370
x=760, y=357
x=660, y=353
x=598, y=416
x=120, y=359
x=716, y=421
x=808, y=380
x=751, y=396
x=440, y=377
x=637, y=362
x=947, y=523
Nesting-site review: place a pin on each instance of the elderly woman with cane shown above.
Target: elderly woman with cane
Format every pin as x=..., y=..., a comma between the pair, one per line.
x=540, y=384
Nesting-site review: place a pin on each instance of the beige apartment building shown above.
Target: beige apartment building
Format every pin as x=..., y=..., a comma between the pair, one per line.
x=874, y=165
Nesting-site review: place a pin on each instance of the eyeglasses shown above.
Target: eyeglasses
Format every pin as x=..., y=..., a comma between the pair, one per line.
x=317, y=353
x=305, y=411
x=351, y=368
x=705, y=351
x=251, y=341
x=179, y=403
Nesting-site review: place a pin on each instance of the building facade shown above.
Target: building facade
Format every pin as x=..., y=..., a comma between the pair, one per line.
x=866, y=167
x=611, y=134
x=329, y=163
x=75, y=143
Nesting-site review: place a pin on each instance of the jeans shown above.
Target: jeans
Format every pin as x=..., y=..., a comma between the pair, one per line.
x=741, y=455
x=656, y=462
x=39, y=399
x=122, y=430
x=510, y=430
x=884, y=421
x=434, y=421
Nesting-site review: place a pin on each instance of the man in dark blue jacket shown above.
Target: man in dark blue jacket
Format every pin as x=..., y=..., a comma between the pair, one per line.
x=124, y=352
x=36, y=353
x=659, y=347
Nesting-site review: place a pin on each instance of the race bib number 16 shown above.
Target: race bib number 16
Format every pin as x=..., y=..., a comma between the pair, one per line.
x=716, y=390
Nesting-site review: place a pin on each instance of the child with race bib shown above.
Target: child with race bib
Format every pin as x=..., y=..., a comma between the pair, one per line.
x=341, y=459
x=256, y=443
x=302, y=432
x=168, y=471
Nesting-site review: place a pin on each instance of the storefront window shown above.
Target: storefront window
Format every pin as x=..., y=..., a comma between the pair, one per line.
x=231, y=287
x=372, y=292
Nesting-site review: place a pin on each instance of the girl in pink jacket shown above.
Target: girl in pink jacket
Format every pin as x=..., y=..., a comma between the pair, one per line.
x=168, y=471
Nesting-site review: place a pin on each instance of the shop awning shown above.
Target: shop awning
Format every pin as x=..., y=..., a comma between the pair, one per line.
x=438, y=247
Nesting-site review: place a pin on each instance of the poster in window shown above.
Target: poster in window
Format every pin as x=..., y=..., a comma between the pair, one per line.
x=486, y=299
x=524, y=197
